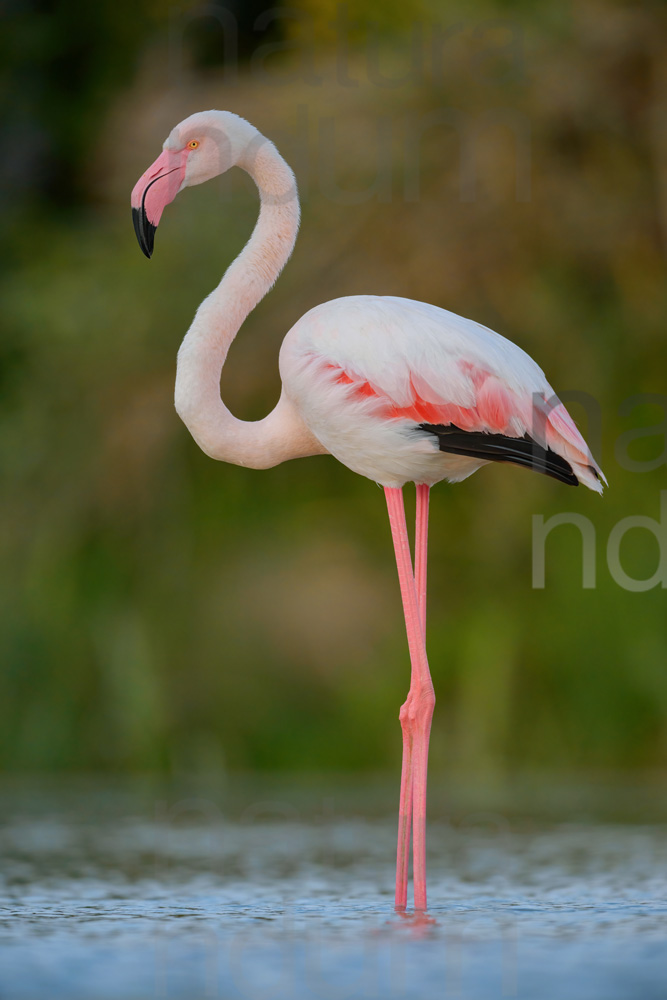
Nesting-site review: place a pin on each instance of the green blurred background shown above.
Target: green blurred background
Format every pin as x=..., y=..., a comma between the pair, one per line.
x=165, y=612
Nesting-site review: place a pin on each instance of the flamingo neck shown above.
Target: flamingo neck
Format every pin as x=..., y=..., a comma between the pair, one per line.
x=282, y=434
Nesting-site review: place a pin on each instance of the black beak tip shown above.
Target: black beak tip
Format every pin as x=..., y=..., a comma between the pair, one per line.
x=145, y=231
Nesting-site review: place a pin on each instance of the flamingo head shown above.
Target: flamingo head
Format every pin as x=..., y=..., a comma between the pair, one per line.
x=201, y=147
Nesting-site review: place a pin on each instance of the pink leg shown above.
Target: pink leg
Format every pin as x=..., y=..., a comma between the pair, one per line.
x=406, y=797
x=416, y=713
x=404, y=820
x=420, y=748
x=421, y=550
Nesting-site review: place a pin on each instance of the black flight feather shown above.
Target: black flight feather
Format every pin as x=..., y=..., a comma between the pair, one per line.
x=501, y=448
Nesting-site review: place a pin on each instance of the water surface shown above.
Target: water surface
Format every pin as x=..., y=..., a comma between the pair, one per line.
x=279, y=889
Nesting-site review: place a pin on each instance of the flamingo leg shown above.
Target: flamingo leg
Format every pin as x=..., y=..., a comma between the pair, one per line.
x=421, y=550
x=421, y=739
x=406, y=796
x=404, y=821
x=416, y=714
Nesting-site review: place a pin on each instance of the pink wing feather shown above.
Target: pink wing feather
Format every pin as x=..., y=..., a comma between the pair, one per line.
x=496, y=410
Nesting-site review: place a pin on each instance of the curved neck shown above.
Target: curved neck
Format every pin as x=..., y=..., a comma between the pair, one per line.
x=282, y=434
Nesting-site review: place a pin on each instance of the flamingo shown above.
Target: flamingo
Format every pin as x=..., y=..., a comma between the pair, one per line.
x=397, y=390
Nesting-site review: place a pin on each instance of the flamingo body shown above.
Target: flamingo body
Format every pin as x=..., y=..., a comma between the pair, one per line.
x=398, y=391
x=370, y=374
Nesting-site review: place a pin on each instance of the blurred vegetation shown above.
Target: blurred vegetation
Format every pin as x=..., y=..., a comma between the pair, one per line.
x=164, y=611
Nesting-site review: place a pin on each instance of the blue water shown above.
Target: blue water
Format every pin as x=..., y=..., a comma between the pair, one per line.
x=271, y=894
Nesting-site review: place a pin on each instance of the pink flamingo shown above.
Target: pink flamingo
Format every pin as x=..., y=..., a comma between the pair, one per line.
x=398, y=391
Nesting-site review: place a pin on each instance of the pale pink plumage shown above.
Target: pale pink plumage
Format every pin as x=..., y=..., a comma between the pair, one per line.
x=399, y=391
x=365, y=371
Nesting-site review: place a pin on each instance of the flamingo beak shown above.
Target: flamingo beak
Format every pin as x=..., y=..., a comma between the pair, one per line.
x=158, y=186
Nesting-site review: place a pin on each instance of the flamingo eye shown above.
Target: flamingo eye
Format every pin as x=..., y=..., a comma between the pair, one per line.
x=193, y=144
